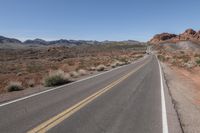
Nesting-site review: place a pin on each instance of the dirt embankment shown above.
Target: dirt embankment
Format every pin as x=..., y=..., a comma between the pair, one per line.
x=184, y=87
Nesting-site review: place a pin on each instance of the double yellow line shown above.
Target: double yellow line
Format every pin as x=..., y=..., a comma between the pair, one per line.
x=47, y=125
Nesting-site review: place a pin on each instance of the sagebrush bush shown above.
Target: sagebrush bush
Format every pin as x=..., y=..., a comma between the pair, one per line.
x=117, y=63
x=92, y=69
x=190, y=64
x=198, y=61
x=31, y=83
x=14, y=86
x=101, y=68
x=113, y=65
x=120, y=63
x=82, y=72
x=74, y=74
x=67, y=76
x=56, y=78
x=161, y=57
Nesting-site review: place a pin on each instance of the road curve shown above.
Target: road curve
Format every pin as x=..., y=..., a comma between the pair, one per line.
x=125, y=100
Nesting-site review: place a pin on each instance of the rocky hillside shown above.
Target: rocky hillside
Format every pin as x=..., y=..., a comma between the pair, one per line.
x=181, y=50
x=188, y=35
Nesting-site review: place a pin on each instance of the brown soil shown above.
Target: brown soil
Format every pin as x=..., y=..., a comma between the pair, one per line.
x=185, y=90
x=28, y=64
x=193, y=77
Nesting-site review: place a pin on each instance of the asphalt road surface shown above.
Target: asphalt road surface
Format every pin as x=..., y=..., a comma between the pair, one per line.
x=129, y=99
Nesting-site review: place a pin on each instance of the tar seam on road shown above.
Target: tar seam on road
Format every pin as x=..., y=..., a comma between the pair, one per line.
x=59, y=87
x=164, y=112
x=52, y=122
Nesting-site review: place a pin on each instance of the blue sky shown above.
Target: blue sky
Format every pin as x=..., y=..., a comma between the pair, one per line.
x=96, y=19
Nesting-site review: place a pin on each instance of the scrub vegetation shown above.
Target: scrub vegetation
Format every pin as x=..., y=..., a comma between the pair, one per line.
x=57, y=65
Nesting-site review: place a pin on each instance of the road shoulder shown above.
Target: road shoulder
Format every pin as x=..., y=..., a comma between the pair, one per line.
x=181, y=89
x=172, y=117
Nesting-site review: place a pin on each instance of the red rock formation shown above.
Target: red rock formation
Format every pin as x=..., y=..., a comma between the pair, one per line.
x=189, y=34
x=162, y=37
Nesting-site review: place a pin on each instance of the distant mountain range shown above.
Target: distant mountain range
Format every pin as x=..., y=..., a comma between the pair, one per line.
x=63, y=42
x=8, y=40
x=188, y=35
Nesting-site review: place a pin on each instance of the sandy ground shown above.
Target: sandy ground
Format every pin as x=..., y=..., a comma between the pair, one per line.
x=184, y=87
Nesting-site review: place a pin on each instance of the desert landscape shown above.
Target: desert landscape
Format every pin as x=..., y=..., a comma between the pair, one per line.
x=37, y=65
x=29, y=64
x=99, y=66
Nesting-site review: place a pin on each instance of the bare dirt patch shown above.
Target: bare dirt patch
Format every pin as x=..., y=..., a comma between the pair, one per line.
x=184, y=87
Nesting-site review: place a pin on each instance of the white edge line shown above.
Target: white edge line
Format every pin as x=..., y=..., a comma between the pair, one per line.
x=164, y=112
x=59, y=87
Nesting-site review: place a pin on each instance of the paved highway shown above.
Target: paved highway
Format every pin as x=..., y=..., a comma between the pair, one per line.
x=129, y=99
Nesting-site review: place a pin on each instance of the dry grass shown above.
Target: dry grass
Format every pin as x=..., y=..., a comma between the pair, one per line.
x=117, y=63
x=82, y=72
x=92, y=68
x=101, y=67
x=56, y=78
x=14, y=86
x=198, y=61
x=74, y=74
x=31, y=83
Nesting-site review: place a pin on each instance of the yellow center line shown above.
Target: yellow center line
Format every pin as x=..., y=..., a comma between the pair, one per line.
x=47, y=125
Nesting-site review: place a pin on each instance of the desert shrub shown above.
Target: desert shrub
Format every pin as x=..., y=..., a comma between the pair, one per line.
x=31, y=83
x=198, y=61
x=56, y=78
x=117, y=63
x=101, y=67
x=92, y=68
x=21, y=73
x=173, y=61
x=82, y=72
x=113, y=65
x=128, y=62
x=107, y=65
x=186, y=59
x=190, y=64
x=161, y=57
x=121, y=63
x=67, y=76
x=14, y=86
x=122, y=59
x=74, y=74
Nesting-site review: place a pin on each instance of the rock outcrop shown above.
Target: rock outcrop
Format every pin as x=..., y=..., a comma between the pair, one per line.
x=188, y=35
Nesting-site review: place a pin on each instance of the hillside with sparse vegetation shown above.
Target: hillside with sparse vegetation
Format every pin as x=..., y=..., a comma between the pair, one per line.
x=57, y=65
